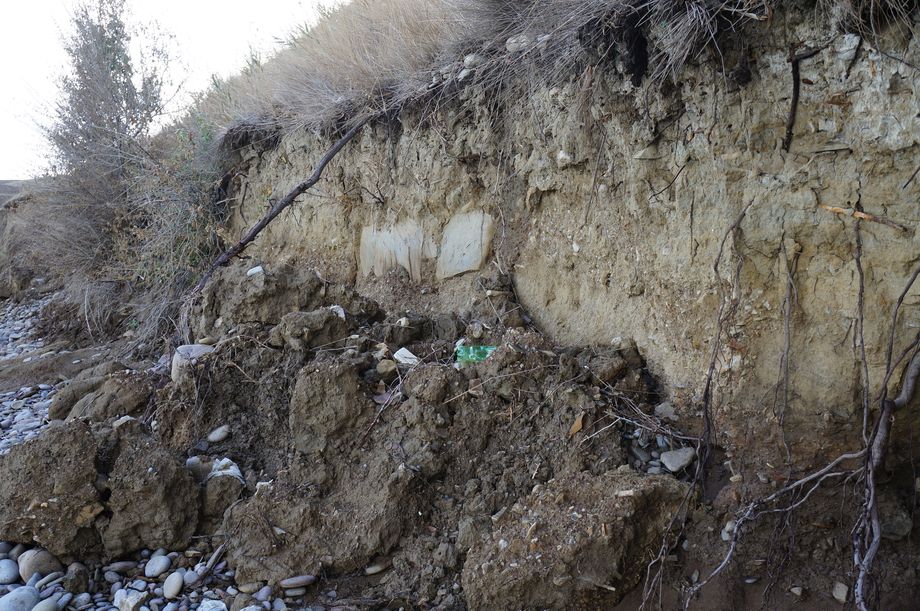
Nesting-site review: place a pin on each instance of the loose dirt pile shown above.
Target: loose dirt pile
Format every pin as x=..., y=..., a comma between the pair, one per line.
x=339, y=442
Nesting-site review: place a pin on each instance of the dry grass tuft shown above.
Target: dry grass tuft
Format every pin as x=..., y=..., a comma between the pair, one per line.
x=371, y=57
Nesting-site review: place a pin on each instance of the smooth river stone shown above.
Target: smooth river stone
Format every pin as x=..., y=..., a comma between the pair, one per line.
x=156, y=566
x=20, y=599
x=299, y=581
x=173, y=585
x=9, y=571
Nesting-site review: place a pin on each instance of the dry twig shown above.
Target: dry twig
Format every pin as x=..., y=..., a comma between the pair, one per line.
x=864, y=216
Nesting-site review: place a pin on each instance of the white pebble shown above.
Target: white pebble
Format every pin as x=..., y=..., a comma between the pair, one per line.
x=173, y=585
x=219, y=434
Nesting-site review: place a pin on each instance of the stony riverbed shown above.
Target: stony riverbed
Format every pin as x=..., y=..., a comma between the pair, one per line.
x=23, y=412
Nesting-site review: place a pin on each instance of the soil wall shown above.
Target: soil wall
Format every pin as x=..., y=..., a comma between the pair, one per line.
x=607, y=206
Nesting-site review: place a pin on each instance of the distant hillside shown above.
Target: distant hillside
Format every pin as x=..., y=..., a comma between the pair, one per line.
x=10, y=189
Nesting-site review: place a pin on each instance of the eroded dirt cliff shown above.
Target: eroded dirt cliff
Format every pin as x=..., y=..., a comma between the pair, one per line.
x=615, y=244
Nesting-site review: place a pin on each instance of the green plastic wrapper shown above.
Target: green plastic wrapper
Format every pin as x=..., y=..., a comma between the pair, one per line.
x=474, y=354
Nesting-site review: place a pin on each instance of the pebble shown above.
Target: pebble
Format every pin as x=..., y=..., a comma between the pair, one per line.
x=797, y=591
x=173, y=585
x=20, y=599
x=191, y=578
x=49, y=604
x=9, y=571
x=219, y=434
x=297, y=582
x=263, y=594
x=295, y=592
x=841, y=592
x=37, y=561
x=121, y=567
x=676, y=460
x=210, y=605
x=156, y=566
x=48, y=579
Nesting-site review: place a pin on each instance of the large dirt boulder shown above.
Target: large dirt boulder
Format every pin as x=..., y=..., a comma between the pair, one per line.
x=280, y=532
x=69, y=395
x=154, y=500
x=265, y=296
x=327, y=398
x=581, y=541
x=46, y=491
x=118, y=396
x=303, y=330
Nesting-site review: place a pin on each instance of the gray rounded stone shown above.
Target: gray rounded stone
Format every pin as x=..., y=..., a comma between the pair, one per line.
x=38, y=561
x=49, y=604
x=156, y=566
x=173, y=585
x=20, y=599
x=9, y=571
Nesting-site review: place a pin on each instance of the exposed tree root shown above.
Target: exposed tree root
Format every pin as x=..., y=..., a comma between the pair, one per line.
x=867, y=532
x=728, y=306
x=795, y=60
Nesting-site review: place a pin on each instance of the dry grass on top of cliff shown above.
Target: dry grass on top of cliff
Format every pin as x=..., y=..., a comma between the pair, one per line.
x=371, y=57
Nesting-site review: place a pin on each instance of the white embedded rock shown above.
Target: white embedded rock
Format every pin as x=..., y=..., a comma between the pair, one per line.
x=675, y=460
x=173, y=585
x=225, y=467
x=465, y=243
x=185, y=357
x=255, y=271
x=20, y=599
x=841, y=592
x=219, y=434
x=212, y=605
x=9, y=571
x=156, y=566
x=406, y=357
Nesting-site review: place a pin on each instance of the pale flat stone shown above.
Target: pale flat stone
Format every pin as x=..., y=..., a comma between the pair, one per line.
x=465, y=244
x=403, y=245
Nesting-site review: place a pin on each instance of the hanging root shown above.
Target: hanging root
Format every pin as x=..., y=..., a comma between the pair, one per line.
x=728, y=306
x=867, y=533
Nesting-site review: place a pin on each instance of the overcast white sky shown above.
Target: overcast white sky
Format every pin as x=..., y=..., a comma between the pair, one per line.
x=211, y=37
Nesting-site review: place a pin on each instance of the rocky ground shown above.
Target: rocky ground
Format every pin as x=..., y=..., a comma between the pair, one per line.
x=23, y=412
